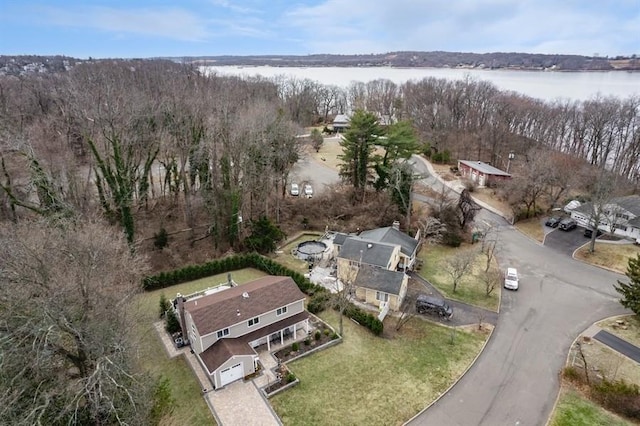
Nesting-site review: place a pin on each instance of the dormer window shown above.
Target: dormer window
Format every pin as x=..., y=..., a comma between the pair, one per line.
x=281, y=311
x=254, y=321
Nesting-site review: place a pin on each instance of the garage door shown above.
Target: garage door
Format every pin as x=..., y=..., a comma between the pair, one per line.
x=231, y=374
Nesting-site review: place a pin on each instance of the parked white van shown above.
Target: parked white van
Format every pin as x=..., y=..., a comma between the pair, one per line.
x=511, y=279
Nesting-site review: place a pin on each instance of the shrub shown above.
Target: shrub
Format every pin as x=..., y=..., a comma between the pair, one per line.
x=326, y=331
x=318, y=302
x=334, y=336
x=451, y=239
x=295, y=347
x=307, y=341
x=165, y=305
x=618, y=396
x=172, y=324
x=161, y=239
x=571, y=373
x=290, y=377
x=317, y=335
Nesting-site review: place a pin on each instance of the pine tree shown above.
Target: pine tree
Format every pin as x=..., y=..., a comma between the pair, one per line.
x=631, y=291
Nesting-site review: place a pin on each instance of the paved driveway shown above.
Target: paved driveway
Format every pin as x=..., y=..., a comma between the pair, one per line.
x=565, y=242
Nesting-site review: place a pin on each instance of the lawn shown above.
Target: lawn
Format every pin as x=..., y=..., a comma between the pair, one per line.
x=612, y=256
x=575, y=410
x=287, y=259
x=371, y=380
x=190, y=407
x=532, y=228
x=471, y=289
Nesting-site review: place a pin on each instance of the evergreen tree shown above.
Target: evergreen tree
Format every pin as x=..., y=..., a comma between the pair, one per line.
x=631, y=291
x=358, y=147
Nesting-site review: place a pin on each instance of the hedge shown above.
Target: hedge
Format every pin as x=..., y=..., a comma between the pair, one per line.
x=319, y=295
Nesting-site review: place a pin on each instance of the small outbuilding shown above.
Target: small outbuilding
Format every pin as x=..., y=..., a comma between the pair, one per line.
x=341, y=123
x=482, y=174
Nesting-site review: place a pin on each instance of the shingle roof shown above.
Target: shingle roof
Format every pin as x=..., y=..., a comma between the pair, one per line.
x=391, y=235
x=379, y=279
x=630, y=203
x=341, y=119
x=339, y=238
x=218, y=353
x=373, y=253
x=484, y=168
x=220, y=310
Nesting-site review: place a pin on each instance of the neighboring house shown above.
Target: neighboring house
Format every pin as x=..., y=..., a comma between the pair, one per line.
x=376, y=262
x=341, y=123
x=621, y=216
x=225, y=327
x=481, y=173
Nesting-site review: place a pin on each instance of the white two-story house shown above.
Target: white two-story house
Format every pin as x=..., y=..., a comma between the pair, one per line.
x=620, y=216
x=225, y=327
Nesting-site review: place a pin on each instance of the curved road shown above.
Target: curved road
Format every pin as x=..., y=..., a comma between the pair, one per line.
x=515, y=380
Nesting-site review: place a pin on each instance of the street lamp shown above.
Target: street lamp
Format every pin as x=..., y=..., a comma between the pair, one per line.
x=511, y=157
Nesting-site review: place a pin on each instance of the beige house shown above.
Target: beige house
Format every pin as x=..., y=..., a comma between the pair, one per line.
x=225, y=327
x=375, y=269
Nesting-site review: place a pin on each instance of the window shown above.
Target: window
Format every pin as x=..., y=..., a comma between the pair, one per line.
x=281, y=311
x=223, y=333
x=383, y=297
x=254, y=321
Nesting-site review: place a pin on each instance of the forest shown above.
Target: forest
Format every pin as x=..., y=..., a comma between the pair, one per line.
x=100, y=160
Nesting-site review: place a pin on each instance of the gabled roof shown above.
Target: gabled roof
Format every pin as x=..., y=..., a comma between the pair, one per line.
x=484, y=168
x=225, y=308
x=630, y=203
x=379, y=279
x=372, y=252
x=341, y=119
x=391, y=235
x=218, y=353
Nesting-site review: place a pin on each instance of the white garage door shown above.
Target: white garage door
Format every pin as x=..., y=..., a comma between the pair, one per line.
x=231, y=374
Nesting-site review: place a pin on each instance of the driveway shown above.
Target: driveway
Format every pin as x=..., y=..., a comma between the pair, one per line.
x=565, y=242
x=515, y=379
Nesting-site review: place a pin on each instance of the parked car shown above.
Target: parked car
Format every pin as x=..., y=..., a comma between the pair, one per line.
x=588, y=232
x=567, y=224
x=511, y=279
x=434, y=306
x=308, y=191
x=295, y=190
x=553, y=221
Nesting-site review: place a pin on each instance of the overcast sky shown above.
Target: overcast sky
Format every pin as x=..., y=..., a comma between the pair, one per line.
x=149, y=28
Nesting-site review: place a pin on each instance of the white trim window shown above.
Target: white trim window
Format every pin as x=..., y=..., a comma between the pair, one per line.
x=383, y=297
x=253, y=321
x=222, y=333
x=281, y=311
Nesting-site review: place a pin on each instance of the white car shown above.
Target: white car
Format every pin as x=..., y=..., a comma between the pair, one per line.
x=295, y=190
x=511, y=279
x=308, y=191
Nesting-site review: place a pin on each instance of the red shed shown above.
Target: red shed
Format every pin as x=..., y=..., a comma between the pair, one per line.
x=481, y=173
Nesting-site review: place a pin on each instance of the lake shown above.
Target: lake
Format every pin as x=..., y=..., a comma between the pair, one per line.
x=546, y=85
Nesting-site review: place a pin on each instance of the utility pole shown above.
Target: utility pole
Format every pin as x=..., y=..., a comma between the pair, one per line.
x=511, y=157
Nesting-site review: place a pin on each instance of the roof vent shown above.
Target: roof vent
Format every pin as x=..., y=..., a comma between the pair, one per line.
x=238, y=312
x=245, y=295
x=369, y=245
x=396, y=225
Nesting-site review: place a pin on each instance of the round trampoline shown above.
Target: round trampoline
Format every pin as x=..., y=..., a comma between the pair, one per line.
x=311, y=250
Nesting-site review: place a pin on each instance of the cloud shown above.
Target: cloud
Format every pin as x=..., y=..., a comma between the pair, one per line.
x=542, y=26
x=171, y=23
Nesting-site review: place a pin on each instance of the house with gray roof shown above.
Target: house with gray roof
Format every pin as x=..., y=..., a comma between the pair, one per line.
x=341, y=122
x=620, y=216
x=375, y=262
x=481, y=173
x=226, y=326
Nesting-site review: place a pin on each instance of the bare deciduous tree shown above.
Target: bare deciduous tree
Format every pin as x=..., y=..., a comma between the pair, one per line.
x=68, y=356
x=459, y=265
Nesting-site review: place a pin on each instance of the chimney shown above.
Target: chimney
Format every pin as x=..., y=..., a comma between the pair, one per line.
x=183, y=324
x=396, y=225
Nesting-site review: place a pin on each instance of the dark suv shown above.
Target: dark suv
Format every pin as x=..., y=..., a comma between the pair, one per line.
x=433, y=305
x=553, y=221
x=567, y=224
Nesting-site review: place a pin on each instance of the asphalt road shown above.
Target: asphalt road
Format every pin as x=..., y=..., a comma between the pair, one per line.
x=565, y=242
x=618, y=344
x=515, y=379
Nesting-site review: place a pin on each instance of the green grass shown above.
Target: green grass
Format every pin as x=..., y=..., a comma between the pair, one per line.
x=190, y=407
x=286, y=259
x=371, y=380
x=575, y=410
x=470, y=290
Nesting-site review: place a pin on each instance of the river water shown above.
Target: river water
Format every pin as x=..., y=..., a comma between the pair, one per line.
x=545, y=85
